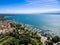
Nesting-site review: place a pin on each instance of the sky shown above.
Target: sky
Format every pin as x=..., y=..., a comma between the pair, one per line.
x=29, y=6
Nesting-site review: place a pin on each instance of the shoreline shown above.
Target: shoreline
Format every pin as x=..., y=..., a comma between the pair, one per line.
x=39, y=27
x=40, y=31
x=35, y=28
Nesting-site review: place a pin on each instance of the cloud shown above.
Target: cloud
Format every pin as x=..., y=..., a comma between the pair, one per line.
x=42, y=2
x=27, y=11
x=39, y=1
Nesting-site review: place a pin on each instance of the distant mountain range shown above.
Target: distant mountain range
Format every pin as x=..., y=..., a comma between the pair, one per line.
x=53, y=12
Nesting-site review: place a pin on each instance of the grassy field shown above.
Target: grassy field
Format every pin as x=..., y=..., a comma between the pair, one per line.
x=6, y=40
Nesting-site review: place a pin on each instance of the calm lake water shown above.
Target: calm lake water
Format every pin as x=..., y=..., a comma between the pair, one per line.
x=46, y=22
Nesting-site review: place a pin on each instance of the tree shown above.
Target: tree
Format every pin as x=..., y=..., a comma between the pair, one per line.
x=49, y=43
x=55, y=39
